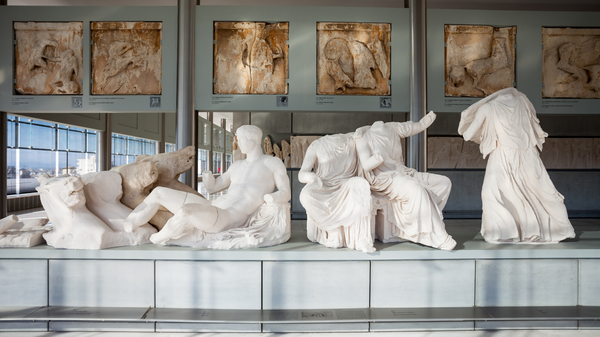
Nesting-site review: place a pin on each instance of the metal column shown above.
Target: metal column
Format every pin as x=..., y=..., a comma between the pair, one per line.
x=105, y=145
x=211, y=139
x=187, y=118
x=416, y=154
x=224, y=154
x=162, y=143
x=3, y=163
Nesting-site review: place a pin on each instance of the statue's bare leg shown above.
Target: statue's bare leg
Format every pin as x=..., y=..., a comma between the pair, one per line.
x=168, y=198
x=187, y=216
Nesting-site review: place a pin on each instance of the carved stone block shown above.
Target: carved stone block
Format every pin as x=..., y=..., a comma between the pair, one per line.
x=568, y=153
x=596, y=153
x=299, y=145
x=443, y=152
x=48, y=58
x=571, y=65
x=353, y=58
x=480, y=60
x=471, y=157
x=251, y=58
x=126, y=58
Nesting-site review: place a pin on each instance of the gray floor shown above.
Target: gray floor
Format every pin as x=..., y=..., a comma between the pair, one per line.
x=512, y=333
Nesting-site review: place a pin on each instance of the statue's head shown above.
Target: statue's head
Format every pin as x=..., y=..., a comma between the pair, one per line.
x=65, y=189
x=249, y=137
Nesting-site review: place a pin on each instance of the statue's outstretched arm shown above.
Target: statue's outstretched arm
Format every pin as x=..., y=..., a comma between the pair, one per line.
x=213, y=185
x=367, y=159
x=305, y=175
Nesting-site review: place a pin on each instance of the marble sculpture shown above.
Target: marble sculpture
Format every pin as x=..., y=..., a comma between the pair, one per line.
x=22, y=233
x=73, y=225
x=417, y=198
x=337, y=201
x=480, y=60
x=48, y=58
x=571, y=62
x=353, y=58
x=254, y=212
x=520, y=202
x=251, y=58
x=126, y=58
x=148, y=172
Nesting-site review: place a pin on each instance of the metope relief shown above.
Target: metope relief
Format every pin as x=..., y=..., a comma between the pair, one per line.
x=48, y=58
x=126, y=58
x=250, y=58
x=571, y=65
x=353, y=58
x=480, y=60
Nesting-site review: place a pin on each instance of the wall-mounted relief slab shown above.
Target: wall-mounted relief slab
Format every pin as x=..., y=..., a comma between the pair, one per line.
x=126, y=58
x=571, y=65
x=48, y=58
x=480, y=60
x=299, y=145
x=353, y=58
x=453, y=152
x=250, y=58
x=568, y=153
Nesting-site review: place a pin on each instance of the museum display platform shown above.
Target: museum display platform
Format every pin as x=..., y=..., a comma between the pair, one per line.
x=303, y=286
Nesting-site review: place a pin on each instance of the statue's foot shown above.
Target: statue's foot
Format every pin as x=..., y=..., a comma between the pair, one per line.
x=127, y=227
x=158, y=239
x=449, y=244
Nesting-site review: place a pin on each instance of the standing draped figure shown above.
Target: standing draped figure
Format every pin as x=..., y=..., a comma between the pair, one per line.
x=520, y=203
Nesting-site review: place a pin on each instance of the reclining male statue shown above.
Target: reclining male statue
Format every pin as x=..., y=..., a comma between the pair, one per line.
x=251, y=214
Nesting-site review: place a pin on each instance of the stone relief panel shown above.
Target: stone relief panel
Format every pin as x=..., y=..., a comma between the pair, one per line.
x=569, y=153
x=48, y=58
x=480, y=60
x=299, y=145
x=126, y=58
x=571, y=62
x=251, y=58
x=353, y=58
x=443, y=152
x=558, y=153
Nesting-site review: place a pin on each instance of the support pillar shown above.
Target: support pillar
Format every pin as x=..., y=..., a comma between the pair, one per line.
x=105, y=145
x=187, y=118
x=224, y=154
x=3, y=163
x=416, y=154
x=162, y=144
x=211, y=139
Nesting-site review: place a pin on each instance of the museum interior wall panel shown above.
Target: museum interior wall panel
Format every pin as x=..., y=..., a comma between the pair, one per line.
x=170, y=127
x=506, y=283
x=300, y=285
x=23, y=283
x=529, y=56
x=388, y=58
x=137, y=50
x=589, y=287
x=422, y=284
x=142, y=125
x=208, y=285
x=101, y=283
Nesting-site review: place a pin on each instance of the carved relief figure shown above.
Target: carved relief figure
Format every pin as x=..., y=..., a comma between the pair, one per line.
x=520, y=202
x=480, y=60
x=443, y=152
x=251, y=58
x=353, y=58
x=571, y=64
x=48, y=58
x=126, y=58
x=22, y=233
x=299, y=145
x=254, y=212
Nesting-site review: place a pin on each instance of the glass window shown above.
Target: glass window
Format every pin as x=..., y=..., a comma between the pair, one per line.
x=216, y=162
x=202, y=161
x=125, y=149
x=45, y=137
x=10, y=134
x=170, y=148
x=92, y=142
x=24, y=129
x=76, y=140
x=62, y=139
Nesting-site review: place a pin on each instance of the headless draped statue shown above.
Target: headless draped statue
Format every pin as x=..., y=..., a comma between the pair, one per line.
x=520, y=202
x=417, y=198
x=254, y=212
x=337, y=201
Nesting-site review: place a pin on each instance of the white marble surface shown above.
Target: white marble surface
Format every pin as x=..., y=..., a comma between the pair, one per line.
x=254, y=212
x=520, y=202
